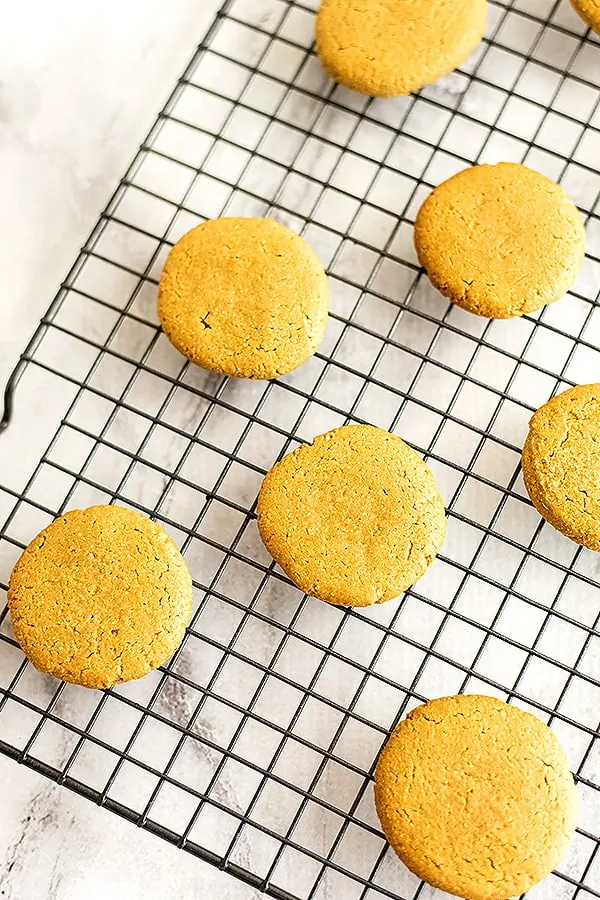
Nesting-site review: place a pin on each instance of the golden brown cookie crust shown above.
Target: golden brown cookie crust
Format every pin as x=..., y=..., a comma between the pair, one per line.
x=561, y=461
x=589, y=10
x=353, y=518
x=387, y=48
x=244, y=297
x=100, y=596
x=476, y=797
x=500, y=241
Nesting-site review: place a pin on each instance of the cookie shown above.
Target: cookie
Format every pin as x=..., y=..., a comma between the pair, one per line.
x=100, y=596
x=561, y=461
x=500, y=241
x=589, y=10
x=353, y=518
x=475, y=796
x=386, y=48
x=244, y=297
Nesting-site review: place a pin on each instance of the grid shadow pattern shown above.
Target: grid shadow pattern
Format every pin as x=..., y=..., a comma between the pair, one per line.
x=254, y=747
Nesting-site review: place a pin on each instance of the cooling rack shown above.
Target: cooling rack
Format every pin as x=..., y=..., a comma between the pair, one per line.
x=254, y=747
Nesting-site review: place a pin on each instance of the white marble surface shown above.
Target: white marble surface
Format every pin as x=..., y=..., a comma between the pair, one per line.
x=79, y=87
x=295, y=182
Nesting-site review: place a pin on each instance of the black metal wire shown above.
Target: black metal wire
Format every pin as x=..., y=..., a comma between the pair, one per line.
x=413, y=361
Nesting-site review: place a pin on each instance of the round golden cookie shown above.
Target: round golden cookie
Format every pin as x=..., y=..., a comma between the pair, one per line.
x=244, y=297
x=561, y=462
x=500, y=241
x=589, y=10
x=353, y=518
x=385, y=48
x=475, y=796
x=100, y=596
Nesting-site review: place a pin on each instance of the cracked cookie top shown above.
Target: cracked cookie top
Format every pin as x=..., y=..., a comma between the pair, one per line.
x=244, y=297
x=387, y=48
x=476, y=797
x=561, y=463
x=500, y=241
x=354, y=518
x=100, y=596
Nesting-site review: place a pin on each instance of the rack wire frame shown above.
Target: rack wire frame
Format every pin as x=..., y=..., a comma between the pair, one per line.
x=254, y=747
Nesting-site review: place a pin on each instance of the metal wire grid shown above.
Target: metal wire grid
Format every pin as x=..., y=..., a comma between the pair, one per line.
x=254, y=747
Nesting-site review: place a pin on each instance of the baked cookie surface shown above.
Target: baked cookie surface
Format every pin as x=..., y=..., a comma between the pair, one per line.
x=476, y=797
x=100, y=596
x=561, y=462
x=501, y=240
x=387, y=48
x=589, y=10
x=354, y=518
x=244, y=297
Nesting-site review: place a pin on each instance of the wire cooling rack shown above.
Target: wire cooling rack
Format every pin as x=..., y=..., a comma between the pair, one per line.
x=254, y=747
